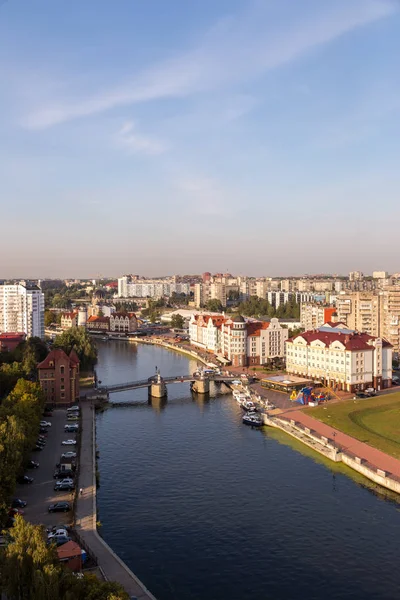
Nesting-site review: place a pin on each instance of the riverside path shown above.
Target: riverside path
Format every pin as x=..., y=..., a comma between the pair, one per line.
x=346, y=443
x=112, y=566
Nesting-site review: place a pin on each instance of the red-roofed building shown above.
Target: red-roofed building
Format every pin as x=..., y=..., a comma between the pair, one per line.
x=341, y=358
x=98, y=323
x=59, y=377
x=237, y=340
x=9, y=341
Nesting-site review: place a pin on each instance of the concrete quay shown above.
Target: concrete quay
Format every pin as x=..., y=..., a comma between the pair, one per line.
x=112, y=567
x=340, y=447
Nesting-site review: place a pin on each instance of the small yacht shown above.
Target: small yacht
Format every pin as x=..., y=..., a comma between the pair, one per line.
x=253, y=419
x=249, y=405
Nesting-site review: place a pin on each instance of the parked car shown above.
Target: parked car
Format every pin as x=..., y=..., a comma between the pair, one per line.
x=47, y=413
x=361, y=395
x=61, y=532
x=73, y=417
x=71, y=427
x=73, y=408
x=370, y=391
x=68, y=455
x=59, y=507
x=24, y=479
x=63, y=539
x=68, y=443
x=64, y=486
x=45, y=424
x=40, y=443
x=37, y=448
x=18, y=503
x=15, y=511
x=61, y=474
x=32, y=464
x=57, y=527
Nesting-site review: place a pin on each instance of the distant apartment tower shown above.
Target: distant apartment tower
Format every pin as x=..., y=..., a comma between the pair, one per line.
x=356, y=276
x=206, y=277
x=314, y=315
x=391, y=315
x=380, y=275
x=22, y=309
x=361, y=311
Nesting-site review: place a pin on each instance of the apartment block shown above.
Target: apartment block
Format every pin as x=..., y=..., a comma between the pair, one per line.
x=22, y=309
x=313, y=315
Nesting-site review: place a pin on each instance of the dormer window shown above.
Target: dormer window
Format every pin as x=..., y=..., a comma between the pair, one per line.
x=51, y=364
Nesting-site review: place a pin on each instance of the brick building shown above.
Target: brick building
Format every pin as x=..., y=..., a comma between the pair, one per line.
x=59, y=377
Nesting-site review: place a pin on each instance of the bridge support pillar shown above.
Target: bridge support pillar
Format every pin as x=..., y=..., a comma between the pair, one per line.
x=201, y=386
x=158, y=390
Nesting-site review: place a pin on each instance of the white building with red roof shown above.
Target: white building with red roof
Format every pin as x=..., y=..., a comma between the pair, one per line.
x=341, y=358
x=68, y=320
x=242, y=342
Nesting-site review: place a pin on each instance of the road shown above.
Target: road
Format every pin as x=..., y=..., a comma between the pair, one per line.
x=40, y=493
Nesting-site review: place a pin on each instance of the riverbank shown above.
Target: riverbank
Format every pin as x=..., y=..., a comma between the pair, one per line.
x=163, y=344
x=112, y=567
x=335, y=445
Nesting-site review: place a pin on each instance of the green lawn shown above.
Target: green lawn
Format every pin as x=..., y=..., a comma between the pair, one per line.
x=375, y=421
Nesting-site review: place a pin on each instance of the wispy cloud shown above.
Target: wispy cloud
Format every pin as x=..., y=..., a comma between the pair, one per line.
x=237, y=49
x=138, y=143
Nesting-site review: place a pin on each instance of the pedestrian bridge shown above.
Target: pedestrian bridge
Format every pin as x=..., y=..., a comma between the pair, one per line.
x=150, y=381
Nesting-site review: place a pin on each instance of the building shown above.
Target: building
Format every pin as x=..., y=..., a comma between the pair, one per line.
x=69, y=320
x=390, y=315
x=133, y=287
x=123, y=322
x=361, y=311
x=239, y=341
x=22, y=309
x=380, y=275
x=313, y=315
x=356, y=276
x=98, y=323
x=341, y=358
x=59, y=377
x=9, y=341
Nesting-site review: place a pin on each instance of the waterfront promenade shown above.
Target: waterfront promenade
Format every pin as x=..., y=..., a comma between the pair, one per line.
x=346, y=443
x=113, y=568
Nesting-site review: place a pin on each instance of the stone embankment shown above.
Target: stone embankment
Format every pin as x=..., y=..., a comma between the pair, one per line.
x=112, y=567
x=339, y=447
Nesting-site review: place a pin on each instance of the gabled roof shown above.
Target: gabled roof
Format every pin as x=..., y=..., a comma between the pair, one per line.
x=53, y=356
x=351, y=340
x=94, y=319
x=69, y=550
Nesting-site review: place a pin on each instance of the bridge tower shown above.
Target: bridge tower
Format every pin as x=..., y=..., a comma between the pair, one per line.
x=158, y=389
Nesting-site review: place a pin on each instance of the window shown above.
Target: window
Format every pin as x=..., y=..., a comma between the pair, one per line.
x=62, y=369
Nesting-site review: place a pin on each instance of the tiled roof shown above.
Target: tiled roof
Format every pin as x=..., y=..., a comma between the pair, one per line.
x=94, y=319
x=53, y=356
x=351, y=341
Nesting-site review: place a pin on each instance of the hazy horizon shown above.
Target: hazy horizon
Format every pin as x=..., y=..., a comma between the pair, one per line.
x=157, y=137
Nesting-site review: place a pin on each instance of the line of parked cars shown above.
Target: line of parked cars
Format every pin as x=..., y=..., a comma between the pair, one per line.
x=65, y=475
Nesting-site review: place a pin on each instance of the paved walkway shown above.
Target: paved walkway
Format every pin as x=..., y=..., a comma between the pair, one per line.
x=113, y=567
x=345, y=442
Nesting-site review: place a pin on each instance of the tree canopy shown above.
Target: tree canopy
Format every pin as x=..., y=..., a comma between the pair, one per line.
x=79, y=339
x=30, y=570
x=214, y=305
x=177, y=321
x=257, y=307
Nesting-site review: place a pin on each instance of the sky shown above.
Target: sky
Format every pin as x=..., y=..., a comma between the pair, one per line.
x=259, y=137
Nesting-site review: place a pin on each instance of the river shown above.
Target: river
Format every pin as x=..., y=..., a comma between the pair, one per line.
x=202, y=507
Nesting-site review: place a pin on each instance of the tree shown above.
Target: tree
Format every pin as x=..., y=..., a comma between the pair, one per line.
x=79, y=339
x=177, y=321
x=214, y=305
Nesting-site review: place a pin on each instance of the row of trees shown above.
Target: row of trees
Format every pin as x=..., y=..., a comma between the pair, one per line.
x=30, y=570
x=20, y=414
x=258, y=307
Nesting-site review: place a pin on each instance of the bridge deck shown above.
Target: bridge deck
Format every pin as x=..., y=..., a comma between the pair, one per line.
x=134, y=385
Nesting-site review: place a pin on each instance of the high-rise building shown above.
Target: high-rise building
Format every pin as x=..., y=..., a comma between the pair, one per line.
x=356, y=276
x=313, y=315
x=22, y=309
x=361, y=311
x=380, y=275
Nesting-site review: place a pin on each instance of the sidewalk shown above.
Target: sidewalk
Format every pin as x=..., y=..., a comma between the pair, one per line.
x=113, y=567
x=345, y=442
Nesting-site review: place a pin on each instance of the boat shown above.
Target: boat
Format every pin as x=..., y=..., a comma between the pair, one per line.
x=105, y=338
x=252, y=419
x=241, y=398
x=248, y=405
x=236, y=394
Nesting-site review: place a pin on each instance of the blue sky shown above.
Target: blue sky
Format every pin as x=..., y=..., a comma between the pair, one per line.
x=154, y=137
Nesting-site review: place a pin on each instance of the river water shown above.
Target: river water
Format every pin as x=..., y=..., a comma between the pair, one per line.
x=202, y=507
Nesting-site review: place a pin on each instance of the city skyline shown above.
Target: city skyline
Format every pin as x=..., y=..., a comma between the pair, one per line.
x=249, y=134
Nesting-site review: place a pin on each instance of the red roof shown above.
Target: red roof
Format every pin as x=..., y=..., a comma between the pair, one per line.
x=351, y=341
x=94, y=319
x=69, y=315
x=53, y=356
x=69, y=550
x=74, y=357
x=254, y=328
x=13, y=336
